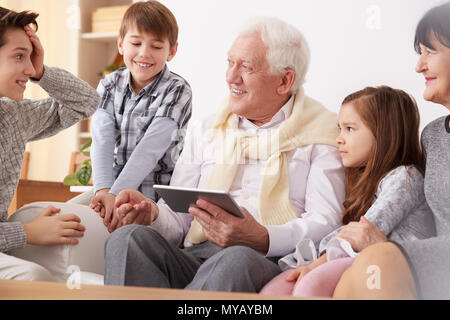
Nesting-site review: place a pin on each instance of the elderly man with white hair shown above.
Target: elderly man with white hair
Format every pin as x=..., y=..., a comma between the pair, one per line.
x=271, y=147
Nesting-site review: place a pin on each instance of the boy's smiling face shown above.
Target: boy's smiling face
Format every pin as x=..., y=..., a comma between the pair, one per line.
x=15, y=64
x=145, y=55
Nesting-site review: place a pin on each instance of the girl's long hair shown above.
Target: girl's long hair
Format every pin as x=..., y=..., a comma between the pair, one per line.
x=393, y=117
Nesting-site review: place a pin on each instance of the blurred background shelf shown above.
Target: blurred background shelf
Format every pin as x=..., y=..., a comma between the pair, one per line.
x=100, y=36
x=97, y=50
x=80, y=188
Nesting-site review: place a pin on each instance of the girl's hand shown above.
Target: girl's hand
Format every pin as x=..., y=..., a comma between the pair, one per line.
x=37, y=56
x=48, y=228
x=298, y=273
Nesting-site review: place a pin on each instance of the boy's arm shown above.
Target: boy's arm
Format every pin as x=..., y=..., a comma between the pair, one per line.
x=146, y=155
x=102, y=149
x=12, y=236
x=172, y=114
x=70, y=101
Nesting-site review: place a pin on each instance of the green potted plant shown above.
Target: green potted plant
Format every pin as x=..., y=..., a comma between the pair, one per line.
x=84, y=173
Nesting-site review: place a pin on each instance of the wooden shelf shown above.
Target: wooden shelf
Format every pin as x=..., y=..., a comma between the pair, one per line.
x=31, y=191
x=96, y=51
x=84, y=134
x=80, y=188
x=100, y=36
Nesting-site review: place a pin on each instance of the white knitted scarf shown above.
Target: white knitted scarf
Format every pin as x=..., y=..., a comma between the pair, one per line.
x=309, y=123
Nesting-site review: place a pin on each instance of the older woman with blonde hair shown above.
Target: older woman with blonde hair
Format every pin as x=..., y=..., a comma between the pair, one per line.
x=418, y=268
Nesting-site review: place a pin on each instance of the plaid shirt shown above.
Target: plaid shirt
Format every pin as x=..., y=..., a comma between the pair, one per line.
x=168, y=97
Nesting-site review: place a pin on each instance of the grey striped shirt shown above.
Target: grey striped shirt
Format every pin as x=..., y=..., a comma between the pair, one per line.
x=70, y=101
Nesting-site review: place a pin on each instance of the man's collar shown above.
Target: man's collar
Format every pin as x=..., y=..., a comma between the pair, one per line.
x=279, y=117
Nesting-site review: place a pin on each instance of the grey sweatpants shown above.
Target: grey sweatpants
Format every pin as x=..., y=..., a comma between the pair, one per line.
x=139, y=256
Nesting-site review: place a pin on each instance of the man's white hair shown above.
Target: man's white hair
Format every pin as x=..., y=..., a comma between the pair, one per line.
x=287, y=48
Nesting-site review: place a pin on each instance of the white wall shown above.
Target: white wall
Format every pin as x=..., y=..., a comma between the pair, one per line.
x=354, y=43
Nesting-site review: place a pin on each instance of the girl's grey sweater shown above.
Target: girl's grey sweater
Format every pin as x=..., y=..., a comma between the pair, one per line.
x=399, y=210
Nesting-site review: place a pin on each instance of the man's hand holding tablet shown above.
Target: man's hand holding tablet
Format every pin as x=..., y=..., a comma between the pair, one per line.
x=179, y=199
x=225, y=224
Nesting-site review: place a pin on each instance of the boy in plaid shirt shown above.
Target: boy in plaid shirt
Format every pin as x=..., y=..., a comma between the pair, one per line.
x=138, y=127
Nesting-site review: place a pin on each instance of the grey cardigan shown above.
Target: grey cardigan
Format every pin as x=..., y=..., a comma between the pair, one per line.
x=429, y=259
x=399, y=210
x=70, y=101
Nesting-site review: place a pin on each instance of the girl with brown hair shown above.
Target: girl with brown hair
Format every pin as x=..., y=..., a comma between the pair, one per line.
x=380, y=147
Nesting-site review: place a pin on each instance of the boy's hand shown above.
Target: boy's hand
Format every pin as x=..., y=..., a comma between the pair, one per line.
x=96, y=205
x=49, y=228
x=104, y=204
x=37, y=56
x=134, y=208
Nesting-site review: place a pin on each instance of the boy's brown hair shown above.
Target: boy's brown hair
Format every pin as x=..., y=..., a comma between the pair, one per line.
x=393, y=118
x=151, y=16
x=10, y=19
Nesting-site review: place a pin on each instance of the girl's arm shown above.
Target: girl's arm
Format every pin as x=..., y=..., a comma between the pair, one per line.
x=399, y=194
x=298, y=273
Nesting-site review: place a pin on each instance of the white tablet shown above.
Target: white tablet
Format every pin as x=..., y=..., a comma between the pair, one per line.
x=180, y=199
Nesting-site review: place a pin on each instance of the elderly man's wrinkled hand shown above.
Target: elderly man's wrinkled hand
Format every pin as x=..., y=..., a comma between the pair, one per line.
x=361, y=234
x=134, y=208
x=225, y=230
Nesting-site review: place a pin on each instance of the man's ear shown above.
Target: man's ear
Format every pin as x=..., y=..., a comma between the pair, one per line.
x=287, y=81
x=120, y=45
x=172, y=51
